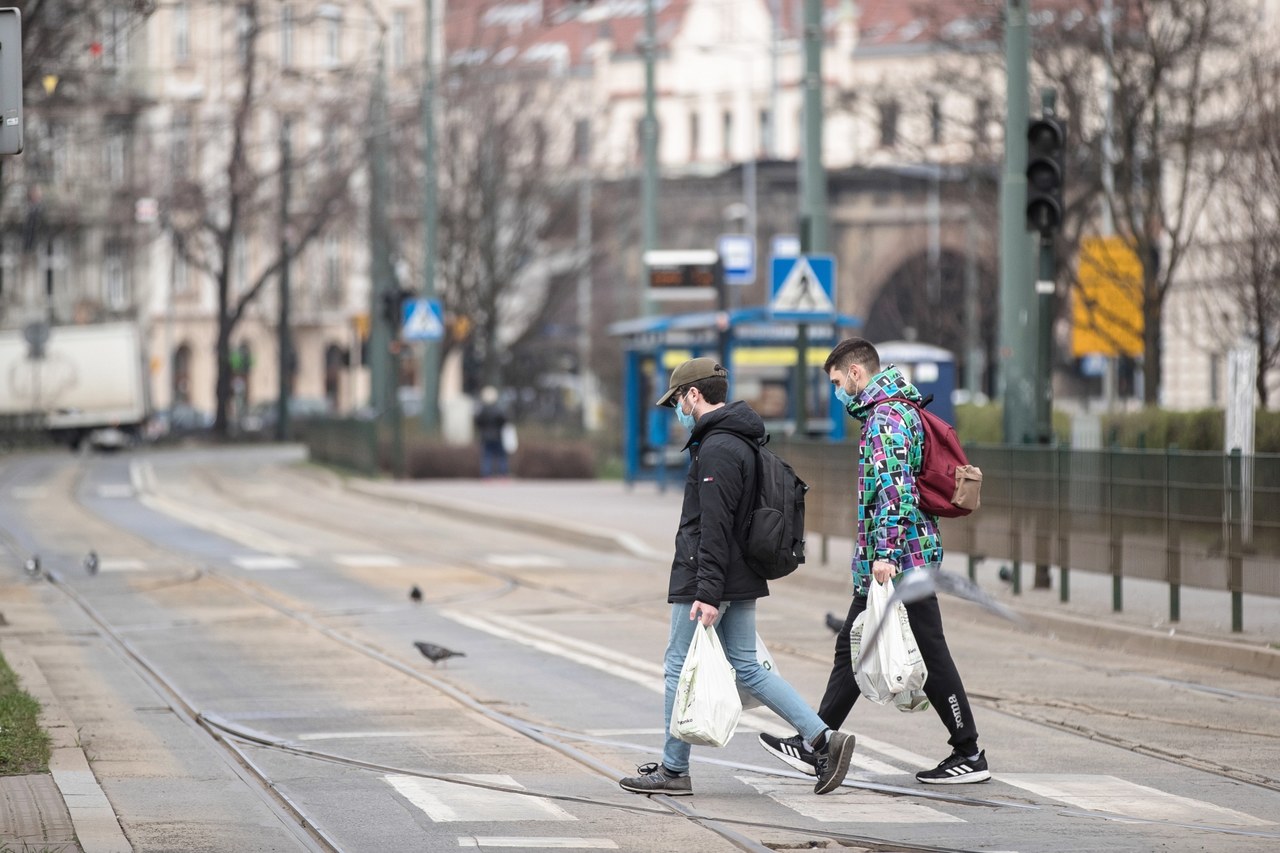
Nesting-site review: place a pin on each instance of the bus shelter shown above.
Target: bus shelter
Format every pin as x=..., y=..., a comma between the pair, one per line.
x=762, y=355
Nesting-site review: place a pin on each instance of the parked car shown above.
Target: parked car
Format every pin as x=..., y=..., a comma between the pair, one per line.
x=260, y=420
x=179, y=421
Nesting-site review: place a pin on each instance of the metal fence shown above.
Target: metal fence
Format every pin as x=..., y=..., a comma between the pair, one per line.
x=344, y=442
x=1204, y=520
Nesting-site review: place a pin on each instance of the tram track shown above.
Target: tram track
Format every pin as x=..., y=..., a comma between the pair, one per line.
x=236, y=739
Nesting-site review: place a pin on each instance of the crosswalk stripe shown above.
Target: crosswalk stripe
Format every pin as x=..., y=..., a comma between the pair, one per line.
x=852, y=806
x=264, y=562
x=445, y=802
x=523, y=561
x=1119, y=796
x=367, y=561
x=115, y=490
x=121, y=564
x=536, y=843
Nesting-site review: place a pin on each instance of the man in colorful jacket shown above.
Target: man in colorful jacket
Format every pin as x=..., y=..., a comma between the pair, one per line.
x=894, y=535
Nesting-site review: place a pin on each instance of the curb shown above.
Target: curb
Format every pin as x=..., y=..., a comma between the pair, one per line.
x=1254, y=660
x=96, y=825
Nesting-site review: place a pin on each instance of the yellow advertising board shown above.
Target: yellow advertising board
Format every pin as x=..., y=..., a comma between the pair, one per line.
x=1106, y=312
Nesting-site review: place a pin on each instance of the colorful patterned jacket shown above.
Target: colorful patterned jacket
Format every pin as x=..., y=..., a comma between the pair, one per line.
x=891, y=526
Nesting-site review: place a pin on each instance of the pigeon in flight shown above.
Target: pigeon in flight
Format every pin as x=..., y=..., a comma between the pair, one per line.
x=835, y=623
x=435, y=653
x=32, y=565
x=415, y=595
x=919, y=585
x=91, y=563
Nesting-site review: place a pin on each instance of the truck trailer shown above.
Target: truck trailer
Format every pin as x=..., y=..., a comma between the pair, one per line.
x=81, y=383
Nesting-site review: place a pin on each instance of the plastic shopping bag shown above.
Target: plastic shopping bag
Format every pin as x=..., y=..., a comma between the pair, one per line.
x=894, y=665
x=707, y=706
x=766, y=661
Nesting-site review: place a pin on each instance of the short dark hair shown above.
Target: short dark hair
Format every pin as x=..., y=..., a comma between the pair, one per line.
x=714, y=389
x=853, y=351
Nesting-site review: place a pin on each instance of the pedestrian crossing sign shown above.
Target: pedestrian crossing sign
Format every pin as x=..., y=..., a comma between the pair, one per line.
x=803, y=287
x=422, y=320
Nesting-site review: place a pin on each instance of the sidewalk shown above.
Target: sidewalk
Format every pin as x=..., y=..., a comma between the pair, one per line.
x=641, y=520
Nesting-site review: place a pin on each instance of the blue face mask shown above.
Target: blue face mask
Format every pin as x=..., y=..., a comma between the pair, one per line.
x=688, y=420
x=843, y=396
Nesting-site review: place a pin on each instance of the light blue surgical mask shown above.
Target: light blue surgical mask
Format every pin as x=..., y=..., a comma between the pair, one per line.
x=843, y=396
x=687, y=419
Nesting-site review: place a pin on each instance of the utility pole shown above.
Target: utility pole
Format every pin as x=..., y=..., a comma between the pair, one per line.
x=285, y=343
x=430, y=185
x=813, y=184
x=586, y=373
x=1018, y=326
x=649, y=137
x=382, y=387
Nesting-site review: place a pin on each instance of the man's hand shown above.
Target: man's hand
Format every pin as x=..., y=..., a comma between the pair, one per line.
x=708, y=613
x=882, y=570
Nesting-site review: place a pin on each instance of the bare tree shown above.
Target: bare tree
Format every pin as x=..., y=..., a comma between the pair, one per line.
x=208, y=217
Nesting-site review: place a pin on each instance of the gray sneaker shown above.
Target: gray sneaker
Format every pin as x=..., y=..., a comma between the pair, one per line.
x=832, y=761
x=654, y=779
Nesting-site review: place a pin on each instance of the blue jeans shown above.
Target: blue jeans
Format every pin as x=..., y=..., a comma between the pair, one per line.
x=736, y=628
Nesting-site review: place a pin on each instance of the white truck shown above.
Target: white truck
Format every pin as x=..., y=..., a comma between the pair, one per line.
x=86, y=382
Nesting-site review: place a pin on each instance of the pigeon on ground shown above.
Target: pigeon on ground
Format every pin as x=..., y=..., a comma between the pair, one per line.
x=835, y=623
x=32, y=565
x=91, y=563
x=919, y=585
x=435, y=653
x=1006, y=574
x=415, y=594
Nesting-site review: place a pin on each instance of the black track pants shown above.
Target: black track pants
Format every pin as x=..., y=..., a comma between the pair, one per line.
x=943, y=687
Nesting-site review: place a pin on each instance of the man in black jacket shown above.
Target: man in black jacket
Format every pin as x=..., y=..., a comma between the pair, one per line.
x=710, y=582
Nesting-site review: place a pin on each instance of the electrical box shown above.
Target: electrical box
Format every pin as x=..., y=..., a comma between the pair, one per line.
x=10, y=81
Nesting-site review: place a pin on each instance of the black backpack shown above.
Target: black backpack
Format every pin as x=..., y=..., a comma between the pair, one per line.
x=772, y=526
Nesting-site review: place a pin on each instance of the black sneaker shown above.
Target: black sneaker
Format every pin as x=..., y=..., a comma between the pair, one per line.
x=792, y=751
x=655, y=779
x=956, y=769
x=832, y=761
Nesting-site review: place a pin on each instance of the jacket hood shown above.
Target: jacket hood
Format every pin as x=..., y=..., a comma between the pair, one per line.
x=889, y=382
x=735, y=417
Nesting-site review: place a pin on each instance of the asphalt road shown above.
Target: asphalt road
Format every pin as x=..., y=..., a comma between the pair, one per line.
x=242, y=676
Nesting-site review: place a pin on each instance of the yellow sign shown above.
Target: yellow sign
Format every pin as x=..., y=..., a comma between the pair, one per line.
x=1107, y=310
x=361, y=323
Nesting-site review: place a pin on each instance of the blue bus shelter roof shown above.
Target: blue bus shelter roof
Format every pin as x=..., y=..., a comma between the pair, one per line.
x=698, y=321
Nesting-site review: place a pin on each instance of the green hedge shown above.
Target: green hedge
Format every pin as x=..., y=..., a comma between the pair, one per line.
x=1149, y=428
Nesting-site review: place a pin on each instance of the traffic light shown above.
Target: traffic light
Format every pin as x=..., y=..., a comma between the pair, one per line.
x=1046, y=142
x=392, y=307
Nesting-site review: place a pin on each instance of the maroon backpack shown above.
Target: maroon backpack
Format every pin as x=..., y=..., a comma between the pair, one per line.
x=946, y=483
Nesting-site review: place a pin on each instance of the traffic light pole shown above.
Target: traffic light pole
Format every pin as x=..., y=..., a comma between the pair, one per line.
x=1018, y=326
x=430, y=349
x=813, y=214
x=1046, y=296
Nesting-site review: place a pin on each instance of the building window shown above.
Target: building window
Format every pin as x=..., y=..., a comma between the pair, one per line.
x=400, y=39
x=332, y=16
x=115, y=285
x=115, y=38
x=180, y=146
x=693, y=137
x=764, y=132
x=582, y=142
x=244, y=33
x=888, y=124
x=286, y=36
x=726, y=127
x=332, y=270
x=239, y=264
x=113, y=156
x=981, y=120
x=181, y=33
x=181, y=275
x=935, y=120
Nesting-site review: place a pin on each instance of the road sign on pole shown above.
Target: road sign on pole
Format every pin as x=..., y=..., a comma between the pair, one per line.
x=803, y=288
x=737, y=258
x=422, y=320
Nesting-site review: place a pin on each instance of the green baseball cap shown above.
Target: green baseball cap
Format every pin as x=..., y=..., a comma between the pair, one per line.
x=689, y=372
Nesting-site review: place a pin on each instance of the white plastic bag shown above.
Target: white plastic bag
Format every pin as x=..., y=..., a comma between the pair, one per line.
x=766, y=661
x=510, y=441
x=707, y=707
x=894, y=665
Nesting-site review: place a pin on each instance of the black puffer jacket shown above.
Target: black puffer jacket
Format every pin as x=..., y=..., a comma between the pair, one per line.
x=708, y=565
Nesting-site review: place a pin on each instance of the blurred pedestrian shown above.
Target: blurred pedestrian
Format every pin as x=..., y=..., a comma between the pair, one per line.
x=710, y=583
x=490, y=422
x=893, y=535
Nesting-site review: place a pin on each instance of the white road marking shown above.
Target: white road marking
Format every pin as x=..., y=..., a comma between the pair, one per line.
x=367, y=561
x=26, y=493
x=535, y=843
x=523, y=561
x=346, y=735
x=1119, y=796
x=115, y=490
x=444, y=802
x=906, y=756
x=846, y=806
x=264, y=562
x=121, y=564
